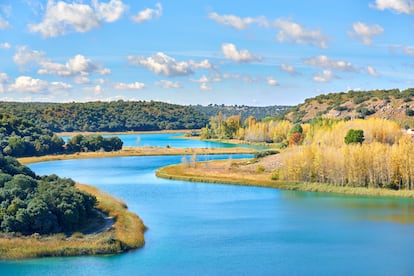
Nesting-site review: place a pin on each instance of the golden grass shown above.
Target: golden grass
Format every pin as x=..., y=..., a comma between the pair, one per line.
x=137, y=151
x=221, y=172
x=126, y=233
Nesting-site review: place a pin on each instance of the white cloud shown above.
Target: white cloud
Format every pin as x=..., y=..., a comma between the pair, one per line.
x=237, y=22
x=168, y=84
x=111, y=11
x=364, y=32
x=408, y=50
x=4, y=24
x=26, y=84
x=325, y=62
x=293, y=32
x=325, y=76
x=165, y=65
x=4, y=78
x=371, y=70
x=5, y=45
x=78, y=66
x=129, y=86
x=61, y=17
x=230, y=51
x=289, y=69
x=205, y=86
x=398, y=6
x=148, y=14
x=26, y=56
x=271, y=81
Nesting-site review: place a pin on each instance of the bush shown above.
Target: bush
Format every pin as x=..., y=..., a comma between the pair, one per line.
x=261, y=154
x=354, y=136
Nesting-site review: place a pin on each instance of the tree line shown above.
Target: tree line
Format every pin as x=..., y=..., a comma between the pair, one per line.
x=20, y=138
x=40, y=204
x=116, y=116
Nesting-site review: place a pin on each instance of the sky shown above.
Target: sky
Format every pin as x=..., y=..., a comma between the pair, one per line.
x=258, y=53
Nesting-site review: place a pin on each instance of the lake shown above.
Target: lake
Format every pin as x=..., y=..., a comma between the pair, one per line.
x=209, y=229
x=175, y=140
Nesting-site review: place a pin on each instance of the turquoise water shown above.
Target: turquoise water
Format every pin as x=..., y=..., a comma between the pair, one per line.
x=174, y=140
x=206, y=229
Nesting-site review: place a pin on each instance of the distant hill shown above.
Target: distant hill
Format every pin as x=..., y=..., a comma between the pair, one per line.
x=106, y=116
x=259, y=112
x=388, y=104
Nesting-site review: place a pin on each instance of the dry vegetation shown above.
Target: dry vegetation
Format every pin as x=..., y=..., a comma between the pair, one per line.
x=126, y=233
x=380, y=166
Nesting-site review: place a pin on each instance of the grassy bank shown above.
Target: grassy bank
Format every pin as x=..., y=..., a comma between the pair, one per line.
x=224, y=172
x=126, y=233
x=137, y=151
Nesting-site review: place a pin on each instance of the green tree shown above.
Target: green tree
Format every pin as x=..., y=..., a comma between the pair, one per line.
x=354, y=136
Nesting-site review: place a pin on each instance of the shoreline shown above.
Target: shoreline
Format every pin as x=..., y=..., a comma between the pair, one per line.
x=73, y=133
x=137, y=151
x=207, y=172
x=125, y=234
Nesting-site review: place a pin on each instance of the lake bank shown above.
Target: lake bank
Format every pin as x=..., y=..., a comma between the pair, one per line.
x=125, y=234
x=123, y=133
x=137, y=151
x=230, y=172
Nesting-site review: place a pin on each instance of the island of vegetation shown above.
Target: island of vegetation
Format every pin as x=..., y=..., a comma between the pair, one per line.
x=50, y=216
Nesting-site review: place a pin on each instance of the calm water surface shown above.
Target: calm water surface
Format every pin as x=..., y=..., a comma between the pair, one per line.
x=206, y=229
x=175, y=140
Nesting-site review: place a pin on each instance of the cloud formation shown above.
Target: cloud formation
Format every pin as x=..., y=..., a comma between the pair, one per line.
x=288, y=69
x=230, y=51
x=61, y=17
x=364, y=32
x=325, y=76
x=148, y=14
x=398, y=6
x=129, y=86
x=289, y=31
x=4, y=24
x=325, y=62
x=168, y=84
x=371, y=71
x=292, y=32
x=27, y=84
x=163, y=64
x=271, y=81
x=78, y=66
x=5, y=45
x=237, y=22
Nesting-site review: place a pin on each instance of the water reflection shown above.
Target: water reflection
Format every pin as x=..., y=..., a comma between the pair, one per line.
x=357, y=207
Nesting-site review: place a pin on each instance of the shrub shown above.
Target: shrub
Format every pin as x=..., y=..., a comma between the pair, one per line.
x=354, y=136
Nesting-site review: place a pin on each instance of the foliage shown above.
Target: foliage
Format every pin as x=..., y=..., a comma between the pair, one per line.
x=354, y=136
x=259, y=112
x=19, y=137
x=264, y=153
x=384, y=160
x=80, y=143
x=106, y=116
x=32, y=204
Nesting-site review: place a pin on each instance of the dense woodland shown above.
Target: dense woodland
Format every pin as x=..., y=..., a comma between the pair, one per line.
x=106, y=116
x=20, y=138
x=259, y=112
x=40, y=204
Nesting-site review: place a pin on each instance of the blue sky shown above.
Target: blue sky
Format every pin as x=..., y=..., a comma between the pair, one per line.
x=200, y=52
